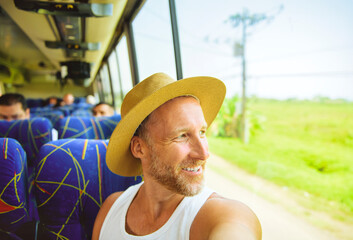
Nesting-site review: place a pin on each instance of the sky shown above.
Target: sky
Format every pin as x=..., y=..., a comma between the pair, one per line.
x=304, y=51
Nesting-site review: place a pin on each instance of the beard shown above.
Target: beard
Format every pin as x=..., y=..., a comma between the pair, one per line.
x=173, y=177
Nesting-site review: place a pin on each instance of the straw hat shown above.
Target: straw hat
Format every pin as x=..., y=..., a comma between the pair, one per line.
x=147, y=96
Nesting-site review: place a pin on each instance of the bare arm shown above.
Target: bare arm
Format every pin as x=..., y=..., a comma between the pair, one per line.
x=235, y=221
x=236, y=231
x=103, y=213
x=222, y=219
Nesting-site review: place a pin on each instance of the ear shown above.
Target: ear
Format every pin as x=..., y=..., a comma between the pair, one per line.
x=27, y=113
x=138, y=147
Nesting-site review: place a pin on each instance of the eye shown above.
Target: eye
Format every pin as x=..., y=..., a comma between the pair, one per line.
x=183, y=135
x=202, y=133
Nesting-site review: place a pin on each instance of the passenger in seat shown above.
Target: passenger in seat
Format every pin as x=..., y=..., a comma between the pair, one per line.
x=68, y=99
x=50, y=101
x=13, y=106
x=162, y=136
x=103, y=109
x=90, y=99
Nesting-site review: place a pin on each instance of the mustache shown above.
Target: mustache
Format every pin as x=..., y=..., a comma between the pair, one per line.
x=192, y=163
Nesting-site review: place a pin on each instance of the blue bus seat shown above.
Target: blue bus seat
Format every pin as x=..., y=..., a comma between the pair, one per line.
x=18, y=214
x=34, y=102
x=87, y=127
x=69, y=109
x=83, y=105
x=80, y=100
x=38, y=109
x=53, y=115
x=71, y=183
x=82, y=113
x=31, y=133
x=66, y=110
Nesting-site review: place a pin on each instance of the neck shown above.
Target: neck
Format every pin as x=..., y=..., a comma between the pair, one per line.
x=151, y=208
x=157, y=199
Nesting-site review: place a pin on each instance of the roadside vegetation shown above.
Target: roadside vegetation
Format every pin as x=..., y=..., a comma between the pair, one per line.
x=306, y=146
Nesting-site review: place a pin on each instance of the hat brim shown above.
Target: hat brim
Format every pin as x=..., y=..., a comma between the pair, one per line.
x=210, y=92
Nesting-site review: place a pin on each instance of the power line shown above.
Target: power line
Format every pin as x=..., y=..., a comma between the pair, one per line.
x=163, y=19
x=321, y=74
x=313, y=74
x=194, y=47
x=320, y=50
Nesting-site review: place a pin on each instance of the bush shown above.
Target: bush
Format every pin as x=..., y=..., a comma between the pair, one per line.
x=228, y=120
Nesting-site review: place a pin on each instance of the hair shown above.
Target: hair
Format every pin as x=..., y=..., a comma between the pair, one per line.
x=47, y=101
x=90, y=99
x=101, y=103
x=58, y=103
x=10, y=99
x=141, y=130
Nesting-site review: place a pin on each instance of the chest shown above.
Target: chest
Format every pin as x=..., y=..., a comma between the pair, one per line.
x=139, y=223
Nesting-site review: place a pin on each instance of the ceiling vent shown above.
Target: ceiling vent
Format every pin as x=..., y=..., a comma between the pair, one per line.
x=73, y=46
x=66, y=9
x=78, y=71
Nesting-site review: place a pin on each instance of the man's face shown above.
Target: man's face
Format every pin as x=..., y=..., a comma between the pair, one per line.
x=102, y=110
x=13, y=112
x=178, y=146
x=52, y=101
x=68, y=99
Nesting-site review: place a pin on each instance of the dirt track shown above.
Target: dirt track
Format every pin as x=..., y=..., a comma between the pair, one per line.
x=276, y=208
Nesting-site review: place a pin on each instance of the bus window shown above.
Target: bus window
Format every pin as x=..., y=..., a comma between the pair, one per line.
x=2, y=89
x=153, y=39
x=124, y=65
x=115, y=78
x=106, y=84
x=98, y=87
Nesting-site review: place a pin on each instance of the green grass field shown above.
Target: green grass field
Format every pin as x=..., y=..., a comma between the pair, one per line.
x=306, y=146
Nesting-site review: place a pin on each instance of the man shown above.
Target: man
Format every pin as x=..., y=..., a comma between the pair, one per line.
x=50, y=101
x=90, y=99
x=162, y=136
x=13, y=106
x=103, y=109
x=68, y=99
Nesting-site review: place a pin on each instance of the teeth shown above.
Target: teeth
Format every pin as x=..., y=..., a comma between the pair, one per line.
x=192, y=169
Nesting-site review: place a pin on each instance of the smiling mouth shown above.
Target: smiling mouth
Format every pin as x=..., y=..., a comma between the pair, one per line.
x=193, y=170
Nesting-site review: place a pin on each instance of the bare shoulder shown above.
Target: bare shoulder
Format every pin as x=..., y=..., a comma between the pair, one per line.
x=109, y=201
x=222, y=218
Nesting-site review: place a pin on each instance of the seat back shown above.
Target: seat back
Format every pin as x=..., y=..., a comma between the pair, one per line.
x=53, y=115
x=87, y=127
x=31, y=133
x=16, y=210
x=34, y=102
x=72, y=181
x=80, y=100
x=82, y=113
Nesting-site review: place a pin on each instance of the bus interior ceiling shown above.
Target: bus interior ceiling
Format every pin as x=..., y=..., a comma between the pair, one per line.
x=47, y=48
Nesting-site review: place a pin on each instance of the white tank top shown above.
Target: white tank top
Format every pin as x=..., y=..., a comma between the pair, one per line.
x=177, y=227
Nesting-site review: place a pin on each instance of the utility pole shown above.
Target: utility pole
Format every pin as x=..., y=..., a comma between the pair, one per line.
x=246, y=20
x=243, y=126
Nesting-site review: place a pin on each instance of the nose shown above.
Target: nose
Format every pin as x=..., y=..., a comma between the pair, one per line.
x=199, y=149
